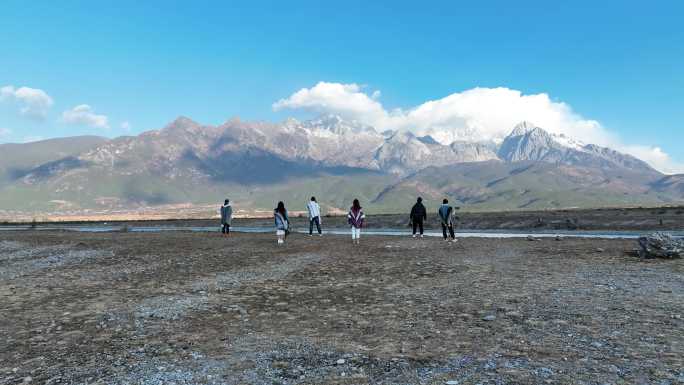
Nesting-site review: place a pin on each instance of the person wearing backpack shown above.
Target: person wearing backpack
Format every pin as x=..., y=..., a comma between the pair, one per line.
x=314, y=216
x=282, y=222
x=226, y=217
x=418, y=216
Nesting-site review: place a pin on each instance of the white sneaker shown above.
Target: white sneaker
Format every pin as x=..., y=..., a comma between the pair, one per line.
x=320, y=235
x=414, y=235
x=421, y=235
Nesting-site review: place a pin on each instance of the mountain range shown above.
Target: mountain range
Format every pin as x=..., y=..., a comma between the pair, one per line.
x=258, y=163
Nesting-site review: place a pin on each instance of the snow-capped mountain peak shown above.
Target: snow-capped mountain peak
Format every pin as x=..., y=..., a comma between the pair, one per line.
x=526, y=128
x=336, y=125
x=523, y=128
x=530, y=143
x=291, y=123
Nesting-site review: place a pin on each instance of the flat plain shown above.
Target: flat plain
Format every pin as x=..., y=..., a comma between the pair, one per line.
x=197, y=308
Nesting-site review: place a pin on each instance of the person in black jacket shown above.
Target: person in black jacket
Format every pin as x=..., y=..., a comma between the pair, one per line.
x=418, y=216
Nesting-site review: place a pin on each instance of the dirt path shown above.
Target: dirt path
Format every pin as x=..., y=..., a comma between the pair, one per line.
x=194, y=308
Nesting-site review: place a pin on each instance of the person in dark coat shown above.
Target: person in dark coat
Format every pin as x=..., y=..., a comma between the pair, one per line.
x=418, y=216
x=226, y=217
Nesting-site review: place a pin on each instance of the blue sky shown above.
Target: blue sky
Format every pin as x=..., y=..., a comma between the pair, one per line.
x=619, y=63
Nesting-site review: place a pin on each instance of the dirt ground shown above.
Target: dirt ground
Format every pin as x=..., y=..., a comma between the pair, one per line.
x=196, y=308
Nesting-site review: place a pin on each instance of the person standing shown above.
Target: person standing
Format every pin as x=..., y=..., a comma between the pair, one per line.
x=418, y=216
x=446, y=214
x=226, y=217
x=314, y=216
x=355, y=218
x=282, y=222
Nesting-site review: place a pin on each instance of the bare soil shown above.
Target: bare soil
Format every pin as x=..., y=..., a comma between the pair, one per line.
x=197, y=308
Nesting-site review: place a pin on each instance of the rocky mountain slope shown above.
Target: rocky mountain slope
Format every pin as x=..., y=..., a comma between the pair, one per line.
x=257, y=163
x=671, y=184
x=530, y=143
x=18, y=159
x=526, y=185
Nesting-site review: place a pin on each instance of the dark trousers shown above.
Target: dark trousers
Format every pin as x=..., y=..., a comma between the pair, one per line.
x=317, y=221
x=225, y=229
x=451, y=230
x=417, y=223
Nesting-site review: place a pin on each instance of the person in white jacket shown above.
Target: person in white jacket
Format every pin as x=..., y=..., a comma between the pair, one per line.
x=314, y=216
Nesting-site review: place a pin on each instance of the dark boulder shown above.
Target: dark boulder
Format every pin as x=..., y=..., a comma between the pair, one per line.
x=660, y=245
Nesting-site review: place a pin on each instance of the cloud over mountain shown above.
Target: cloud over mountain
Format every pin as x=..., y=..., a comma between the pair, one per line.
x=33, y=102
x=656, y=157
x=85, y=115
x=477, y=114
x=345, y=100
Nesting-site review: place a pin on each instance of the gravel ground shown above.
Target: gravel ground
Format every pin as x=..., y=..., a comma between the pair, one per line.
x=194, y=308
x=22, y=260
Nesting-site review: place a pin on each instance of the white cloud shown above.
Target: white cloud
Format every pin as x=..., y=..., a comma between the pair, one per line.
x=475, y=114
x=346, y=100
x=5, y=132
x=33, y=102
x=126, y=126
x=83, y=114
x=656, y=157
x=479, y=114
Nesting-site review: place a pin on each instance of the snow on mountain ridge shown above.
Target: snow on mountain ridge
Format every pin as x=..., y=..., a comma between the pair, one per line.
x=408, y=150
x=523, y=128
x=530, y=143
x=568, y=142
x=526, y=127
x=328, y=139
x=335, y=124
